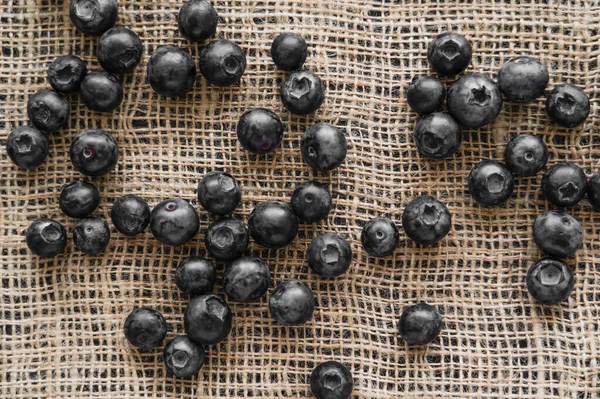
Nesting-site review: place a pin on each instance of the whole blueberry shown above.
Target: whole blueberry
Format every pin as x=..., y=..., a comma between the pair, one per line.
x=171, y=71
x=380, y=237
x=93, y=17
x=195, y=276
x=91, y=235
x=522, y=79
x=207, y=319
x=490, y=183
x=197, y=20
x=246, y=279
x=46, y=237
x=226, y=239
x=526, y=154
x=331, y=380
x=425, y=94
x=48, y=110
x=289, y=51
x=130, y=214
x=593, y=190
x=324, y=146
x=550, y=281
x=27, y=147
x=222, y=62
x=79, y=199
x=564, y=184
x=183, y=357
x=426, y=220
x=568, y=105
x=94, y=152
x=557, y=233
x=437, y=136
x=449, y=53
x=260, y=131
x=292, y=303
x=420, y=324
x=101, y=91
x=302, y=92
x=145, y=328
x=273, y=224
x=474, y=100
x=311, y=202
x=219, y=193
x=119, y=50
x=66, y=73
x=174, y=222
x=329, y=255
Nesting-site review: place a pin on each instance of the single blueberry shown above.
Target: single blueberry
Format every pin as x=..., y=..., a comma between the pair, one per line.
x=329, y=255
x=522, y=79
x=207, y=319
x=183, y=357
x=94, y=152
x=66, y=73
x=48, y=110
x=302, y=92
x=331, y=380
x=46, y=237
x=246, y=279
x=91, y=235
x=425, y=94
x=593, y=190
x=526, y=154
x=490, y=183
x=101, y=91
x=564, y=184
x=420, y=324
x=273, y=224
x=219, y=193
x=380, y=237
x=94, y=17
x=550, y=281
x=557, y=233
x=324, y=146
x=79, y=199
x=449, y=53
x=130, y=214
x=171, y=71
x=226, y=239
x=311, y=202
x=260, y=131
x=437, y=136
x=119, y=50
x=474, y=100
x=426, y=220
x=197, y=20
x=222, y=62
x=195, y=276
x=568, y=105
x=289, y=51
x=27, y=147
x=292, y=303
x=145, y=328
x=174, y=222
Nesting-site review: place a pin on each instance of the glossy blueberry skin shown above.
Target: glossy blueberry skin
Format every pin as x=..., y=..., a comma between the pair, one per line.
x=491, y=183
x=525, y=154
x=79, y=199
x=197, y=20
x=568, y=105
x=91, y=235
x=273, y=224
x=222, y=62
x=119, y=50
x=174, y=222
x=289, y=51
x=329, y=255
x=474, y=100
x=226, y=239
x=380, y=237
x=145, y=328
x=302, y=92
x=425, y=94
x=27, y=147
x=46, y=237
x=195, y=276
x=564, y=184
x=93, y=17
x=449, y=53
x=171, y=71
x=523, y=79
x=183, y=357
x=557, y=233
x=292, y=303
x=219, y=193
x=66, y=73
x=331, y=380
x=48, y=110
x=246, y=279
x=437, y=136
x=420, y=324
x=550, y=281
x=426, y=220
x=324, y=147
x=594, y=190
x=130, y=214
x=260, y=131
x=207, y=319
x=101, y=91
x=94, y=152
x=311, y=202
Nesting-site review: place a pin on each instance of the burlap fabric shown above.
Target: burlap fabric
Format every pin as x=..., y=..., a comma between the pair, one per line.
x=61, y=327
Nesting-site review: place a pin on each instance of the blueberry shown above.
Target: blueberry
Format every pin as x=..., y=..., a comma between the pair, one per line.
x=273, y=224
x=174, y=222
x=130, y=214
x=197, y=20
x=222, y=62
x=490, y=183
x=557, y=233
x=593, y=190
x=425, y=94
x=568, y=105
x=420, y=324
x=195, y=276
x=207, y=319
x=331, y=380
x=437, y=136
x=66, y=73
x=449, y=53
x=474, y=100
x=380, y=237
x=311, y=202
x=93, y=17
x=91, y=235
x=550, y=281
x=289, y=51
x=171, y=71
x=426, y=220
x=302, y=92
x=101, y=91
x=260, y=131
x=525, y=154
x=292, y=303
x=119, y=50
x=329, y=255
x=246, y=279
x=183, y=357
x=564, y=184
x=48, y=110
x=226, y=239
x=94, y=152
x=324, y=146
x=79, y=199
x=27, y=147
x=46, y=237
x=219, y=193
x=523, y=79
x=145, y=328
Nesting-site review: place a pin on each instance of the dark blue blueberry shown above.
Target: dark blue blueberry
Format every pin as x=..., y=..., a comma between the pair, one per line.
x=174, y=222
x=48, y=110
x=195, y=276
x=594, y=190
x=119, y=50
x=331, y=380
x=550, y=281
x=46, y=237
x=219, y=193
x=523, y=79
x=79, y=199
x=197, y=20
x=329, y=255
x=130, y=214
x=94, y=17
x=91, y=236
x=449, y=53
x=94, y=152
x=425, y=94
x=260, y=131
x=183, y=357
x=426, y=220
x=292, y=303
x=171, y=71
x=226, y=239
x=222, y=62
x=324, y=146
x=474, y=100
x=246, y=279
x=302, y=92
x=289, y=51
x=207, y=319
x=557, y=233
x=568, y=105
x=437, y=136
x=273, y=224
x=145, y=328
x=66, y=73
x=380, y=237
x=525, y=154
x=420, y=324
x=27, y=147
x=490, y=183
x=311, y=202
x=564, y=184
x=101, y=91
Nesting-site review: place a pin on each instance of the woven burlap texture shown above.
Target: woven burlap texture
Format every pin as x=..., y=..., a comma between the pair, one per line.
x=61, y=319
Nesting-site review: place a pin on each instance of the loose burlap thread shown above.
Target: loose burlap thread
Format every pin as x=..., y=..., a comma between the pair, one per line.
x=61, y=318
